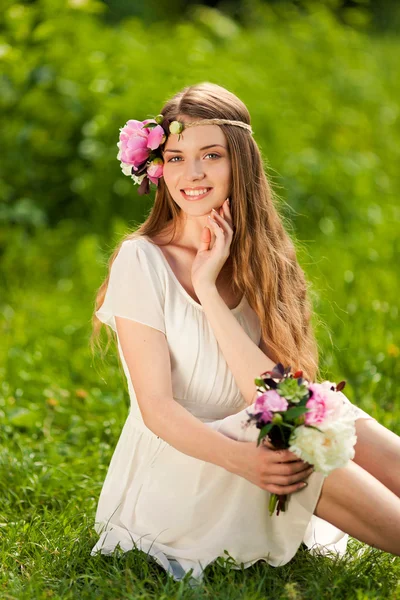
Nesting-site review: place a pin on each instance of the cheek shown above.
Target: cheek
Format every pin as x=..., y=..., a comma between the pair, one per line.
x=169, y=174
x=171, y=177
x=224, y=173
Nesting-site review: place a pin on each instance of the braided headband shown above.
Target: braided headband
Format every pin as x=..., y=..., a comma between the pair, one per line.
x=212, y=122
x=140, y=146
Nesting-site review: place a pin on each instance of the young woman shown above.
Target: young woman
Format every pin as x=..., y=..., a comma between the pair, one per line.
x=204, y=296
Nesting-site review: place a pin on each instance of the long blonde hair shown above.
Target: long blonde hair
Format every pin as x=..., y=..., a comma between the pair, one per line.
x=265, y=265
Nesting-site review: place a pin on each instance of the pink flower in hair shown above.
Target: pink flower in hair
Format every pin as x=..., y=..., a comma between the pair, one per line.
x=140, y=152
x=155, y=170
x=156, y=135
x=132, y=144
x=136, y=142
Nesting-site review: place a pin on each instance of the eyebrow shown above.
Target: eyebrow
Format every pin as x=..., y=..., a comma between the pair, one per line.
x=203, y=148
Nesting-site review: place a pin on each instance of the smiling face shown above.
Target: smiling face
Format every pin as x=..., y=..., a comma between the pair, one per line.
x=197, y=168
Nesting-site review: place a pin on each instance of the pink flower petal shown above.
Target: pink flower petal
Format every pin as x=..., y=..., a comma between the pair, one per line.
x=155, y=170
x=155, y=136
x=135, y=157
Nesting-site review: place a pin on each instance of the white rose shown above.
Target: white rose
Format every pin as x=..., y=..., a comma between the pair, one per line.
x=327, y=450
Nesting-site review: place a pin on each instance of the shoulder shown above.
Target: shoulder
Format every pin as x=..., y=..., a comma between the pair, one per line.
x=134, y=242
x=141, y=254
x=138, y=247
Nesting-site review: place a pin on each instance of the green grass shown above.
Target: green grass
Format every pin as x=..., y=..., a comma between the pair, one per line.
x=50, y=484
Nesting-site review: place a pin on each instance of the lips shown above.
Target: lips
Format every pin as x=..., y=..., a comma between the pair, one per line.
x=196, y=196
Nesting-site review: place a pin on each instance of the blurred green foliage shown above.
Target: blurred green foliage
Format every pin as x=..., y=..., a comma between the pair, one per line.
x=325, y=111
x=323, y=100
x=380, y=16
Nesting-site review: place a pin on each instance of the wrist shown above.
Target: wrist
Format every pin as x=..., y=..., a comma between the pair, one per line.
x=206, y=290
x=230, y=460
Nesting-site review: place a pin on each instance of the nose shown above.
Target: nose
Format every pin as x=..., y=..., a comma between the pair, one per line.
x=194, y=170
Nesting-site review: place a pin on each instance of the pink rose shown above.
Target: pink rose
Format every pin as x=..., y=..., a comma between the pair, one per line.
x=268, y=403
x=155, y=170
x=324, y=404
x=135, y=142
x=155, y=136
x=132, y=144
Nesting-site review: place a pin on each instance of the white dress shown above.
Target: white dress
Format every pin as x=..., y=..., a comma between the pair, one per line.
x=182, y=511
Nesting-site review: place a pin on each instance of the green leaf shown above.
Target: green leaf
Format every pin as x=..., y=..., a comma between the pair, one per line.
x=295, y=411
x=287, y=425
x=313, y=427
x=264, y=431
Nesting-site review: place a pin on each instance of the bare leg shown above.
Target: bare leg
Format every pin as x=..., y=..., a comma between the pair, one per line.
x=378, y=452
x=359, y=504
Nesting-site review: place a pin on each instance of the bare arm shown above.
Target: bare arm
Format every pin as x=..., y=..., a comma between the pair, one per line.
x=185, y=432
x=245, y=359
x=147, y=356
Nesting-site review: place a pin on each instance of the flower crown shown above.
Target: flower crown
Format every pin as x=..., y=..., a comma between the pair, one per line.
x=140, y=146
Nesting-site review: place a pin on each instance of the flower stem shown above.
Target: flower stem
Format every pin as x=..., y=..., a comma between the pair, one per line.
x=272, y=503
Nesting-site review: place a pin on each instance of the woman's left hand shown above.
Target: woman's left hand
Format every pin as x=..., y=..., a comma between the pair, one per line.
x=209, y=261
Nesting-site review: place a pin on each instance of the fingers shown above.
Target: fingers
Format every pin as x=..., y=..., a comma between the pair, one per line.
x=281, y=455
x=217, y=229
x=226, y=212
x=287, y=469
x=283, y=484
x=286, y=480
x=285, y=456
x=285, y=489
x=221, y=223
x=223, y=217
x=282, y=472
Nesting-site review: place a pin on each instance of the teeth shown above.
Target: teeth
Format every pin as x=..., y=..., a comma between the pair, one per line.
x=195, y=192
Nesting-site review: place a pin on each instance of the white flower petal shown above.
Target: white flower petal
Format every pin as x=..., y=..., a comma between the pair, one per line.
x=327, y=450
x=126, y=169
x=138, y=179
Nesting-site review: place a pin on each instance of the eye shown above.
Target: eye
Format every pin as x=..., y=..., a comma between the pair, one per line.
x=208, y=154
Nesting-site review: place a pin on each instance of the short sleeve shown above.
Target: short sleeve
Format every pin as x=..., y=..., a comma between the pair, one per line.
x=134, y=289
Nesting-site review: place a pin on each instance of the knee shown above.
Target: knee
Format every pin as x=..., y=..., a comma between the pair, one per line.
x=335, y=489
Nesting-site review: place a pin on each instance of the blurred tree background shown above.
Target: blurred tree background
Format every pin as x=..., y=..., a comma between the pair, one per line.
x=379, y=15
x=321, y=81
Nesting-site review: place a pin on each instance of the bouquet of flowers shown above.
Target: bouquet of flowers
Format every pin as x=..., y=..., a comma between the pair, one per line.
x=309, y=419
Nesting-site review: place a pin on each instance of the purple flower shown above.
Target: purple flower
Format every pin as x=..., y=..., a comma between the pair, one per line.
x=268, y=403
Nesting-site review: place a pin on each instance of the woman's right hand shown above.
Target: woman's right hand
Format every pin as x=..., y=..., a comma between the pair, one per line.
x=277, y=471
